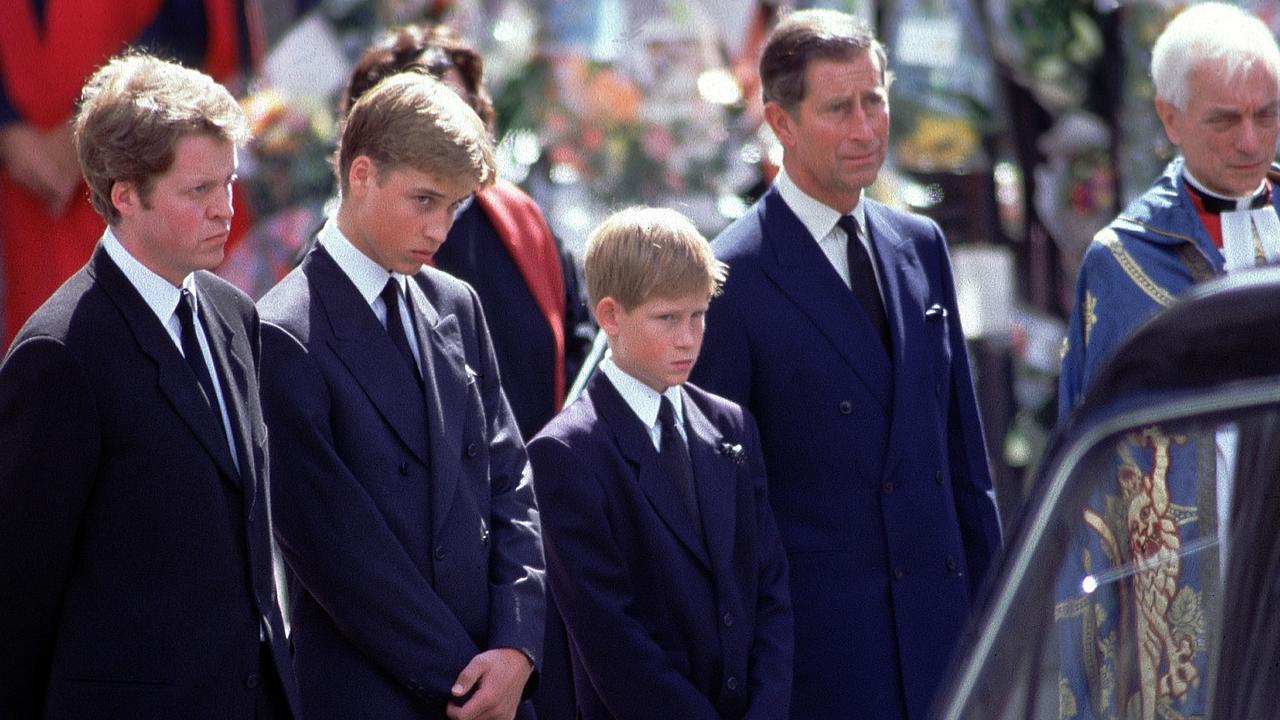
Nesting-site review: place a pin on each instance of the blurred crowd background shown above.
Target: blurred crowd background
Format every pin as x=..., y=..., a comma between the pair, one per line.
x=1021, y=126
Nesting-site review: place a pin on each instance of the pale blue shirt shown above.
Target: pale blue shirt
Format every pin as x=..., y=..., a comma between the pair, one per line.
x=369, y=278
x=162, y=297
x=820, y=220
x=644, y=401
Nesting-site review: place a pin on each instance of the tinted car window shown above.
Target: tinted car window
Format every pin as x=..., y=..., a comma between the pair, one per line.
x=1110, y=603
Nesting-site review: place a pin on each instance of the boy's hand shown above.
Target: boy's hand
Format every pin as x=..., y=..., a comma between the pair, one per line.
x=498, y=678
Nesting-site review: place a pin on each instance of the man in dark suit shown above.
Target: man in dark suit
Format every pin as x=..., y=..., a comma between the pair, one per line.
x=838, y=330
x=662, y=551
x=405, y=512
x=135, y=540
x=500, y=244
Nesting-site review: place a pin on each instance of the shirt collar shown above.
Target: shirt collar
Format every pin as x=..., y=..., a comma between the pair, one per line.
x=368, y=276
x=643, y=400
x=159, y=294
x=1241, y=203
x=816, y=216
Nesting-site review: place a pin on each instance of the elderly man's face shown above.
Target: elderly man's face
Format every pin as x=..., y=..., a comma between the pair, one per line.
x=1228, y=130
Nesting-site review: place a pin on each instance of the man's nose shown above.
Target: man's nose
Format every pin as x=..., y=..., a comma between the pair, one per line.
x=1249, y=140
x=221, y=208
x=860, y=125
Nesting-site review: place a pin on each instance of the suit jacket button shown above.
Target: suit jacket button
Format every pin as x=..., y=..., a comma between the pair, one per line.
x=731, y=683
x=404, y=468
x=899, y=573
x=439, y=552
x=937, y=389
x=727, y=619
x=951, y=563
x=251, y=682
x=887, y=488
x=846, y=407
x=937, y=476
x=472, y=450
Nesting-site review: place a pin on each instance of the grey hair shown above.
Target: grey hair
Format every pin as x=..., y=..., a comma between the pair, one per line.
x=1210, y=31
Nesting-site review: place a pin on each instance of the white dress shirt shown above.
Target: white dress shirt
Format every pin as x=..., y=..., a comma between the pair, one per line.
x=369, y=278
x=162, y=297
x=820, y=220
x=644, y=401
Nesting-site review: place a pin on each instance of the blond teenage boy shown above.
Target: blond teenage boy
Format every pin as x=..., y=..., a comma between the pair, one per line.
x=404, y=513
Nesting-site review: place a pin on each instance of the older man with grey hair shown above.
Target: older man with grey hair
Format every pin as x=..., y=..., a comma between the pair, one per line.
x=1138, y=645
x=1217, y=75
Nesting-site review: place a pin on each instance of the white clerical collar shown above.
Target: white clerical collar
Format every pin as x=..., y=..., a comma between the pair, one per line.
x=1244, y=232
x=1241, y=203
x=816, y=216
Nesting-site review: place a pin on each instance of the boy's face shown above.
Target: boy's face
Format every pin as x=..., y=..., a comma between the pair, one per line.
x=657, y=341
x=400, y=216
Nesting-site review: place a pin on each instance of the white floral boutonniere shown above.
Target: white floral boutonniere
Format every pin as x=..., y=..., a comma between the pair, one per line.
x=733, y=451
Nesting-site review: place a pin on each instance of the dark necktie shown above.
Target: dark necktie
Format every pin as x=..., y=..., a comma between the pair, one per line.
x=675, y=460
x=862, y=279
x=195, y=358
x=1218, y=205
x=395, y=328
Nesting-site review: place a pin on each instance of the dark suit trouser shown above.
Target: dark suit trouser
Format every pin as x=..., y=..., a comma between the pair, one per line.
x=271, y=703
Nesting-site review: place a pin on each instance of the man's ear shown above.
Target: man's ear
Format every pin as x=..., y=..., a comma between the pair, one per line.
x=781, y=122
x=1168, y=115
x=361, y=175
x=126, y=198
x=607, y=311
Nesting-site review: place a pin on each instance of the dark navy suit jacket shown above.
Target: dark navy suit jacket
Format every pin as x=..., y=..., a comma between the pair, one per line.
x=135, y=560
x=663, y=622
x=877, y=469
x=408, y=522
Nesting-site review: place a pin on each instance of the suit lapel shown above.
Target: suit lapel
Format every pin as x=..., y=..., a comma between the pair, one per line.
x=906, y=291
x=446, y=376
x=362, y=345
x=802, y=272
x=715, y=477
x=173, y=376
x=229, y=349
x=636, y=445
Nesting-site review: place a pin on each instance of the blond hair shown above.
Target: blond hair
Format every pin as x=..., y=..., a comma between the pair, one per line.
x=133, y=112
x=643, y=252
x=412, y=120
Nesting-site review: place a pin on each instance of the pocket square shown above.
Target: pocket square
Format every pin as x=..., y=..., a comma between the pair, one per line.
x=934, y=312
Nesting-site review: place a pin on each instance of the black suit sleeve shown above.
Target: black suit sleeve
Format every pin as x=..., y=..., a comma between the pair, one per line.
x=49, y=447
x=966, y=449
x=517, y=599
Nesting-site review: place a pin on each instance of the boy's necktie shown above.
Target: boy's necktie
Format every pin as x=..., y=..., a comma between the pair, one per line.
x=675, y=461
x=396, y=329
